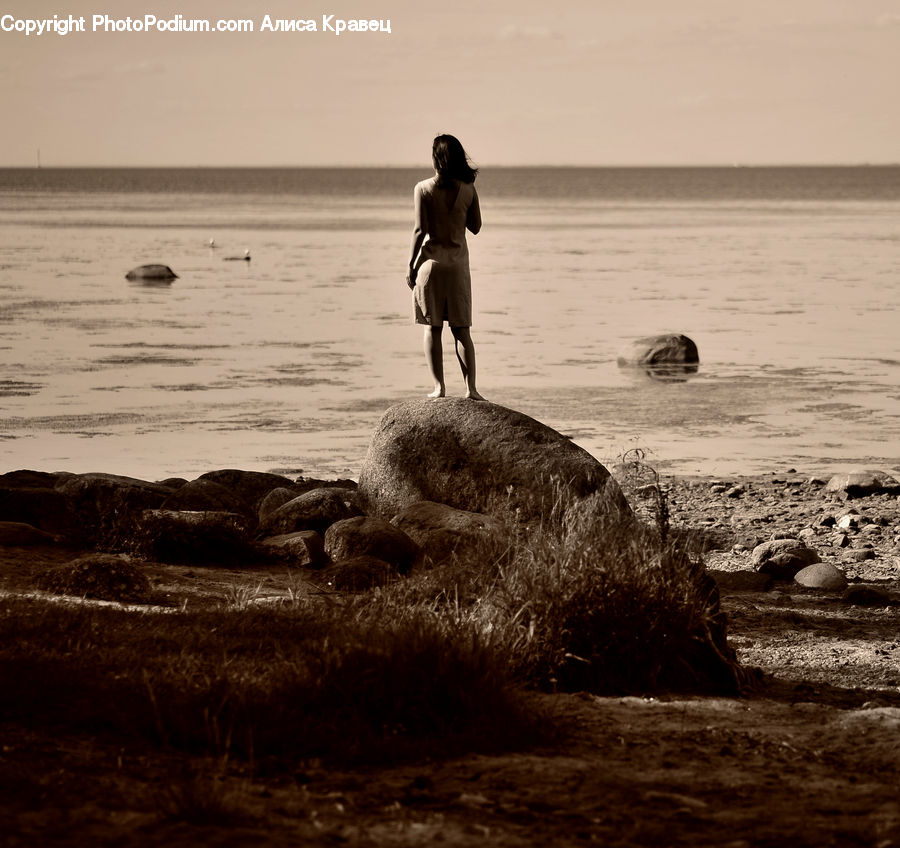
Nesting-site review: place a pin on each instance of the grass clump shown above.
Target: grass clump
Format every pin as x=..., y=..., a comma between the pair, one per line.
x=578, y=603
x=280, y=684
x=624, y=617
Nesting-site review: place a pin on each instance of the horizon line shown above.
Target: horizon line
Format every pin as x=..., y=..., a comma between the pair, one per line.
x=736, y=165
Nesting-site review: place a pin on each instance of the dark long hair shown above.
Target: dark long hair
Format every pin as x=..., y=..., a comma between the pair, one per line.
x=450, y=160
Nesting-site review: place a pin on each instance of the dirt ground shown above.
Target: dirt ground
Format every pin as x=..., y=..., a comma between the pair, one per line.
x=811, y=758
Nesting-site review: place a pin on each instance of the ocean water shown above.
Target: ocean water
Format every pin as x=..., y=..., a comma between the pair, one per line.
x=788, y=280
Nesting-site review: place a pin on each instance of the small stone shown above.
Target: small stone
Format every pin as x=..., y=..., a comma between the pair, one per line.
x=768, y=550
x=782, y=566
x=821, y=575
x=736, y=492
x=806, y=534
x=718, y=488
x=305, y=547
x=849, y=521
x=860, y=555
x=839, y=540
x=826, y=521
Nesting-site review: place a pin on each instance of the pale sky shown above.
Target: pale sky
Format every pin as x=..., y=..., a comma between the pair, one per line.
x=593, y=82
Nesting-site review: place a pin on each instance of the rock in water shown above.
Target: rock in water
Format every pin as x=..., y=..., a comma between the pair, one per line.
x=670, y=356
x=151, y=272
x=480, y=457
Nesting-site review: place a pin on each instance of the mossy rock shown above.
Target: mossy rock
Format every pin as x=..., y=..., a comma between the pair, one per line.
x=102, y=576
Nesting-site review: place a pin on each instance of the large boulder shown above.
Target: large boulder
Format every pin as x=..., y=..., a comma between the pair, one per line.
x=206, y=496
x=481, y=457
x=250, y=486
x=44, y=508
x=25, y=479
x=108, y=505
x=445, y=533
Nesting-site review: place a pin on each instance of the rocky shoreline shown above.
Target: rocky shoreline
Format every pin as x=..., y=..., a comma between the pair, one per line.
x=849, y=523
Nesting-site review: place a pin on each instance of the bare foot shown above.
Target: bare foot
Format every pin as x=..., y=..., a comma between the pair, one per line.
x=437, y=393
x=473, y=395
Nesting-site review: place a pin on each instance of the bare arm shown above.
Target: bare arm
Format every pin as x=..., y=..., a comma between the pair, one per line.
x=473, y=215
x=418, y=237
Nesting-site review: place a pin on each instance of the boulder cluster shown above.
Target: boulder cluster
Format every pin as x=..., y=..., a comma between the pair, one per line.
x=439, y=482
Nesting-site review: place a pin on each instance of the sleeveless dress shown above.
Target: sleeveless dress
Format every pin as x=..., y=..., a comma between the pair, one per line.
x=443, y=289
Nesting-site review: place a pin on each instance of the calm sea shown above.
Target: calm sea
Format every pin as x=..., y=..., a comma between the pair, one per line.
x=788, y=280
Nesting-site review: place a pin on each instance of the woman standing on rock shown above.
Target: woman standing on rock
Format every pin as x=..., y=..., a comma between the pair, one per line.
x=445, y=207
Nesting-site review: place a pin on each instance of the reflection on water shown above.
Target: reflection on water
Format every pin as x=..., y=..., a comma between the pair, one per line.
x=671, y=372
x=150, y=283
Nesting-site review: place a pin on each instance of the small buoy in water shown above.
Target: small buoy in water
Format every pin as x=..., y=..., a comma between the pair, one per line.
x=151, y=272
x=245, y=257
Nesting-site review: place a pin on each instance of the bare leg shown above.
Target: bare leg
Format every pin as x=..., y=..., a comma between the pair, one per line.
x=434, y=356
x=465, y=353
